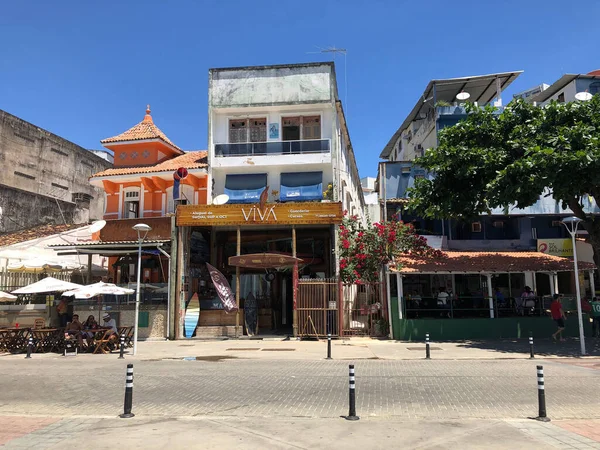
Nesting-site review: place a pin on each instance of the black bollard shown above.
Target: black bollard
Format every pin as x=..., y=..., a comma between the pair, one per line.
x=128, y=394
x=427, y=349
x=352, y=413
x=531, y=356
x=29, y=347
x=541, y=396
x=329, y=346
x=122, y=347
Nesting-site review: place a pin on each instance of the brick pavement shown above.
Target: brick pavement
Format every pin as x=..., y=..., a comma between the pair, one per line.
x=405, y=389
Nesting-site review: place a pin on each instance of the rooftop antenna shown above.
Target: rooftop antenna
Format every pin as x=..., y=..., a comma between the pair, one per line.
x=341, y=51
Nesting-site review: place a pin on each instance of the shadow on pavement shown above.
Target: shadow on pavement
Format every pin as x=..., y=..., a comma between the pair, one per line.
x=541, y=347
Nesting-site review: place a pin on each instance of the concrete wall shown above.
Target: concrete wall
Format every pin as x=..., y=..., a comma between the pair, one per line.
x=50, y=167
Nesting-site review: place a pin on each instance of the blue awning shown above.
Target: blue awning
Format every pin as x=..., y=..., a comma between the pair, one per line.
x=245, y=187
x=301, y=186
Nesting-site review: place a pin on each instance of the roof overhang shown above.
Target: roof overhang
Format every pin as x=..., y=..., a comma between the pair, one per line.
x=481, y=87
x=135, y=177
x=106, y=143
x=560, y=84
x=112, y=248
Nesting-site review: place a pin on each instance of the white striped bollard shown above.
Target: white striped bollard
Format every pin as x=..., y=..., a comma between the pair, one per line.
x=541, y=396
x=329, y=346
x=29, y=347
x=122, y=346
x=352, y=410
x=427, y=349
x=128, y=394
x=531, y=355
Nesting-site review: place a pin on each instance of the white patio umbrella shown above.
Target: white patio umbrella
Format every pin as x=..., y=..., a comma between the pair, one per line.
x=40, y=265
x=6, y=297
x=47, y=284
x=96, y=289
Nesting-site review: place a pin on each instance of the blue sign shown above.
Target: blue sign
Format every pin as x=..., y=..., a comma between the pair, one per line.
x=273, y=131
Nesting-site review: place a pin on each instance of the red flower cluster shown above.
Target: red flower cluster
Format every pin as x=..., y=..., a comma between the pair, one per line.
x=364, y=250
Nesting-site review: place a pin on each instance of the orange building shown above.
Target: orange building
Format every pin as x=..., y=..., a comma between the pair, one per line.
x=141, y=183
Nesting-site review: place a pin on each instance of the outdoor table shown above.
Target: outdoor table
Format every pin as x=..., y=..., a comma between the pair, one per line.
x=44, y=339
x=17, y=339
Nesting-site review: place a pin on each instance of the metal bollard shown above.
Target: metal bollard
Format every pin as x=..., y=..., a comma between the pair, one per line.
x=329, y=346
x=531, y=356
x=427, y=349
x=352, y=413
x=122, y=347
x=128, y=394
x=541, y=396
x=29, y=347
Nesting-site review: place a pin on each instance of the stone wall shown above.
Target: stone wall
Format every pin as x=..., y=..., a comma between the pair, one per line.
x=49, y=168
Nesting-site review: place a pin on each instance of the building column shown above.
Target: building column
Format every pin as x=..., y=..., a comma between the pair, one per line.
x=237, y=284
x=552, y=276
x=555, y=275
x=294, y=285
x=490, y=294
x=592, y=283
x=400, y=288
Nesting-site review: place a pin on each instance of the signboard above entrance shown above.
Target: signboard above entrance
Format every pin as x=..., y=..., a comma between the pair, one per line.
x=311, y=213
x=556, y=247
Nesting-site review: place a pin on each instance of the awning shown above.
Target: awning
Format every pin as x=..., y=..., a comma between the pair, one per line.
x=301, y=186
x=245, y=187
x=264, y=261
x=107, y=248
x=487, y=262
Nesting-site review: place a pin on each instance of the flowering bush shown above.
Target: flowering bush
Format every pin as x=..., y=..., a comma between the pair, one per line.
x=364, y=250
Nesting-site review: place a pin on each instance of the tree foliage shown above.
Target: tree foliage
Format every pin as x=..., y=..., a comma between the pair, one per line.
x=497, y=159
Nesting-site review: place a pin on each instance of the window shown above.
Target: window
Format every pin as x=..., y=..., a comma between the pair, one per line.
x=247, y=130
x=301, y=186
x=476, y=227
x=132, y=204
x=301, y=128
x=595, y=88
x=246, y=187
x=561, y=97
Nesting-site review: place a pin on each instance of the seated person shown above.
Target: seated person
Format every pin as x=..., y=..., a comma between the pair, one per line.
x=109, y=322
x=74, y=328
x=89, y=324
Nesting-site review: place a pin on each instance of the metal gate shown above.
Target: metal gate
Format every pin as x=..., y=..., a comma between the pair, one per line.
x=364, y=310
x=317, y=307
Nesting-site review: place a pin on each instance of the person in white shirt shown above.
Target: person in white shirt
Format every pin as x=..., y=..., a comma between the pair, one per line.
x=109, y=322
x=442, y=297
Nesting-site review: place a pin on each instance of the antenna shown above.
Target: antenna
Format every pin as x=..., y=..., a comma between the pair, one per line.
x=342, y=51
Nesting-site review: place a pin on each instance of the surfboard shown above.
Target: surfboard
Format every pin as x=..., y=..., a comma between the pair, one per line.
x=251, y=315
x=192, y=315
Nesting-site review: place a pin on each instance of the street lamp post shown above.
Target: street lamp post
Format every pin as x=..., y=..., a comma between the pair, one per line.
x=571, y=224
x=140, y=228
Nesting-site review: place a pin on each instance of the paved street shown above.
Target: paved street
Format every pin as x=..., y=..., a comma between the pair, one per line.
x=92, y=385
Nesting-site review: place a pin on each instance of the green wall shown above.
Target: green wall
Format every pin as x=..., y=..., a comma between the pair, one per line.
x=465, y=329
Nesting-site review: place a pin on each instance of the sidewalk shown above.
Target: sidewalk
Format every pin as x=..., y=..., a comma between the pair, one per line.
x=349, y=349
x=301, y=433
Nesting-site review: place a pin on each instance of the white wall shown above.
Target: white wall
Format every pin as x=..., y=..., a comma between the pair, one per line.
x=569, y=90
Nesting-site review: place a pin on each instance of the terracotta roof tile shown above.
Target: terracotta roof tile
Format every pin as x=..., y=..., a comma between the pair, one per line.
x=142, y=131
x=35, y=233
x=486, y=262
x=189, y=160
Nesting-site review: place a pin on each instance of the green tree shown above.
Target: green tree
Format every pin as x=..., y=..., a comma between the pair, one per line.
x=498, y=159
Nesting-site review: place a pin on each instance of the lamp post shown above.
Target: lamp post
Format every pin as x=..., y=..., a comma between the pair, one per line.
x=140, y=228
x=571, y=224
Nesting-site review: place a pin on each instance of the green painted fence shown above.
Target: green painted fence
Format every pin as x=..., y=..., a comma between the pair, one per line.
x=466, y=329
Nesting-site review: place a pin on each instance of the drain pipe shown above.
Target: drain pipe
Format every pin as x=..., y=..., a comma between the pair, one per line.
x=168, y=291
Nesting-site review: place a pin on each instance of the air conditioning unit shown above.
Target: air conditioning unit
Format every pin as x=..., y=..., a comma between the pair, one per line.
x=498, y=224
x=476, y=227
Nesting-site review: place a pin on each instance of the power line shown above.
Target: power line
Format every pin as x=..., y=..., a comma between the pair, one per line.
x=341, y=51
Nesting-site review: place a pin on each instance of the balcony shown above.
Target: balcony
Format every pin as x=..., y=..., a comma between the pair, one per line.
x=273, y=148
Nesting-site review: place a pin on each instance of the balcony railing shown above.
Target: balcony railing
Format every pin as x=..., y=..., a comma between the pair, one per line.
x=273, y=148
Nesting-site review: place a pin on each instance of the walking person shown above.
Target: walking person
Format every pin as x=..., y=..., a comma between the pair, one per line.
x=558, y=316
x=595, y=313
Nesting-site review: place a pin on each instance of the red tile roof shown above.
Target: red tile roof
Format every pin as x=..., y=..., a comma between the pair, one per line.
x=35, y=233
x=485, y=262
x=189, y=160
x=142, y=131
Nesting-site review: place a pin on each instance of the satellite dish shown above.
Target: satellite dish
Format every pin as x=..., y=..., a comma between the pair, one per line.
x=463, y=95
x=97, y=226
x=221, y=199
x=583, y=96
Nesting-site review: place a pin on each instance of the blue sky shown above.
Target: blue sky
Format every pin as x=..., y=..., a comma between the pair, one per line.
x=86, y=70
